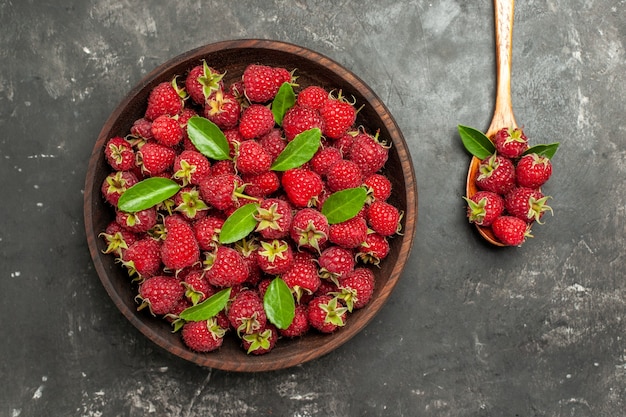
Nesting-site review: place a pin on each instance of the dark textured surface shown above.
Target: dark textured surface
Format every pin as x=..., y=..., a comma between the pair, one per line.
x=470, y=329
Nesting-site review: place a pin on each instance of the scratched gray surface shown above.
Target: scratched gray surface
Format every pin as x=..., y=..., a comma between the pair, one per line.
x=469, y=331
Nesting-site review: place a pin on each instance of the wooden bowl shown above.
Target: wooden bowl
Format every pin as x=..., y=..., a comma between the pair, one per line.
x=233, y=57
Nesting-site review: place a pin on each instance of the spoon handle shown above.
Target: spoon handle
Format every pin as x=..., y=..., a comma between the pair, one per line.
x=503, y=113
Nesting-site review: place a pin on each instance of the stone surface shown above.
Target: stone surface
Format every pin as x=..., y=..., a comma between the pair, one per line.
x=470, y=330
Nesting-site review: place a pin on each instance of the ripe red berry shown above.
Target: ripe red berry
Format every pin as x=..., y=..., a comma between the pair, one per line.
x=156, y=158
x=299, y=325
x=383, y=218
x=275, y=256
x=378, y=187
x=225, y=267
x=143, y=258
x=115, y=184
x=302, y=278
x=251, y=158
x=303, y=186
x=261, y=82
x=326, y=314
x=180, y=248
x=274, y=217
x=203, y=336
x=202, y=81
x=533, y=170
x=223, y=109
x=496, y=174
x=299, y=119
x=164, y=99
x=246, y=313
x=510, y=143
x=335, y=262
x=527, y=204
x=160, y=293
x=338, y=116
x=312, y=96
x=167, y=131
x=343, y=174
x=309, y=229
x=256, y=120
x=510, y=230
x=260, y=342
x=324, y=158
x=357, y=288
x=349, y=234
x=119, y=154
x=374, y=249
x=484, y=207
x=191, y=167
x=207, y=230
x=368, y=153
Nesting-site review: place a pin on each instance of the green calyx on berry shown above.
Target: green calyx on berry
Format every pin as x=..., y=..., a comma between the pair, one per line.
x=477, y=209
x=335, y=312
x=191, y=203
x=273, y=249
x=209, y=80
x=485, y=170
x=179, y=90
x=348, y=295
x=185, y=172
x=267, y=218
x=259, y=340
x=538, y=206
x=515, y=135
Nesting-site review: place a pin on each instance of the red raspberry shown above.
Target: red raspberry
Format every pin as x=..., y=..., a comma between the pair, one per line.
x=349, y=234
x=326, y=314
x=160, y=293
x=156, y=158
x=383, y=218
x=302, y=186
x=324, y=158
x=142, y=129
x=335, y=262
x=484, y=207
x=357, y=288
x=302, y=278
x=338, y=116
x=143, y=258
x=117, y=239
x=164, y=99
x=510, y=143
x=343, y=174
x=273, y=142
x=299, y=325
x=138, y=222
x=274, y=218
x=533, y=171
x=115, y=184
x=299, y=119
x=262, y=341
x=223, y=109
x=368, y=153
x=180, y=248
x=197, y=288
x=275, y=256
x=188, y=203
x=246, y=313
x=119, y=154
x=203, y=336
x=167, y=131
x=344, y=143
x=309, y=229
x=191, y=167
x=226, y=267
x=313, y=96
x=226, y=166
x=378, y=187
x=252, y=158
x=374, y=249
x=207, y=230
x=202, y=81
x=256, y=121
x=261, y=185
x=221, y=191
x=510, y=230
x=496, y=174
x=261, y=82
x=527, y=204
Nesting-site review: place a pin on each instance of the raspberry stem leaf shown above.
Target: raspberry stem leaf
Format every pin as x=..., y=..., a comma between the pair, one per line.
x=208, y=138
x=279, y=304
x=208, y=308
x=344, y=205
x=239, y=224
x=543, y=150
x=284, y=100
x=299, y=151
x=476, y=142
x=147, y=193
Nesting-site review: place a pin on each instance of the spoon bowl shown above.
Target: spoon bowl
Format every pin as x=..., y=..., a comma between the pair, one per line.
x=503, y=112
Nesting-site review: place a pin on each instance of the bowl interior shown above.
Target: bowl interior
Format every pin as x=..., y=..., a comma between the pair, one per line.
x=311, y=68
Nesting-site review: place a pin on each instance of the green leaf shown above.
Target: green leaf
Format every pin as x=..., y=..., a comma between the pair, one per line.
x=208, y=138
x=239, y=224
x=544, y=150
x=476, y=142
x=299, y=151
x=279, y=304
x=284, y=100
x=147, y=193
x=344, y=205
x=208, y=308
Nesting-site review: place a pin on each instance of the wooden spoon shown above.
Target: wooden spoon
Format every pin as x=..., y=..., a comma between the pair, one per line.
x=503, y=113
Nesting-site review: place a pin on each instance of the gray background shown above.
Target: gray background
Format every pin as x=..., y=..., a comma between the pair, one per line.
x=470, y=330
